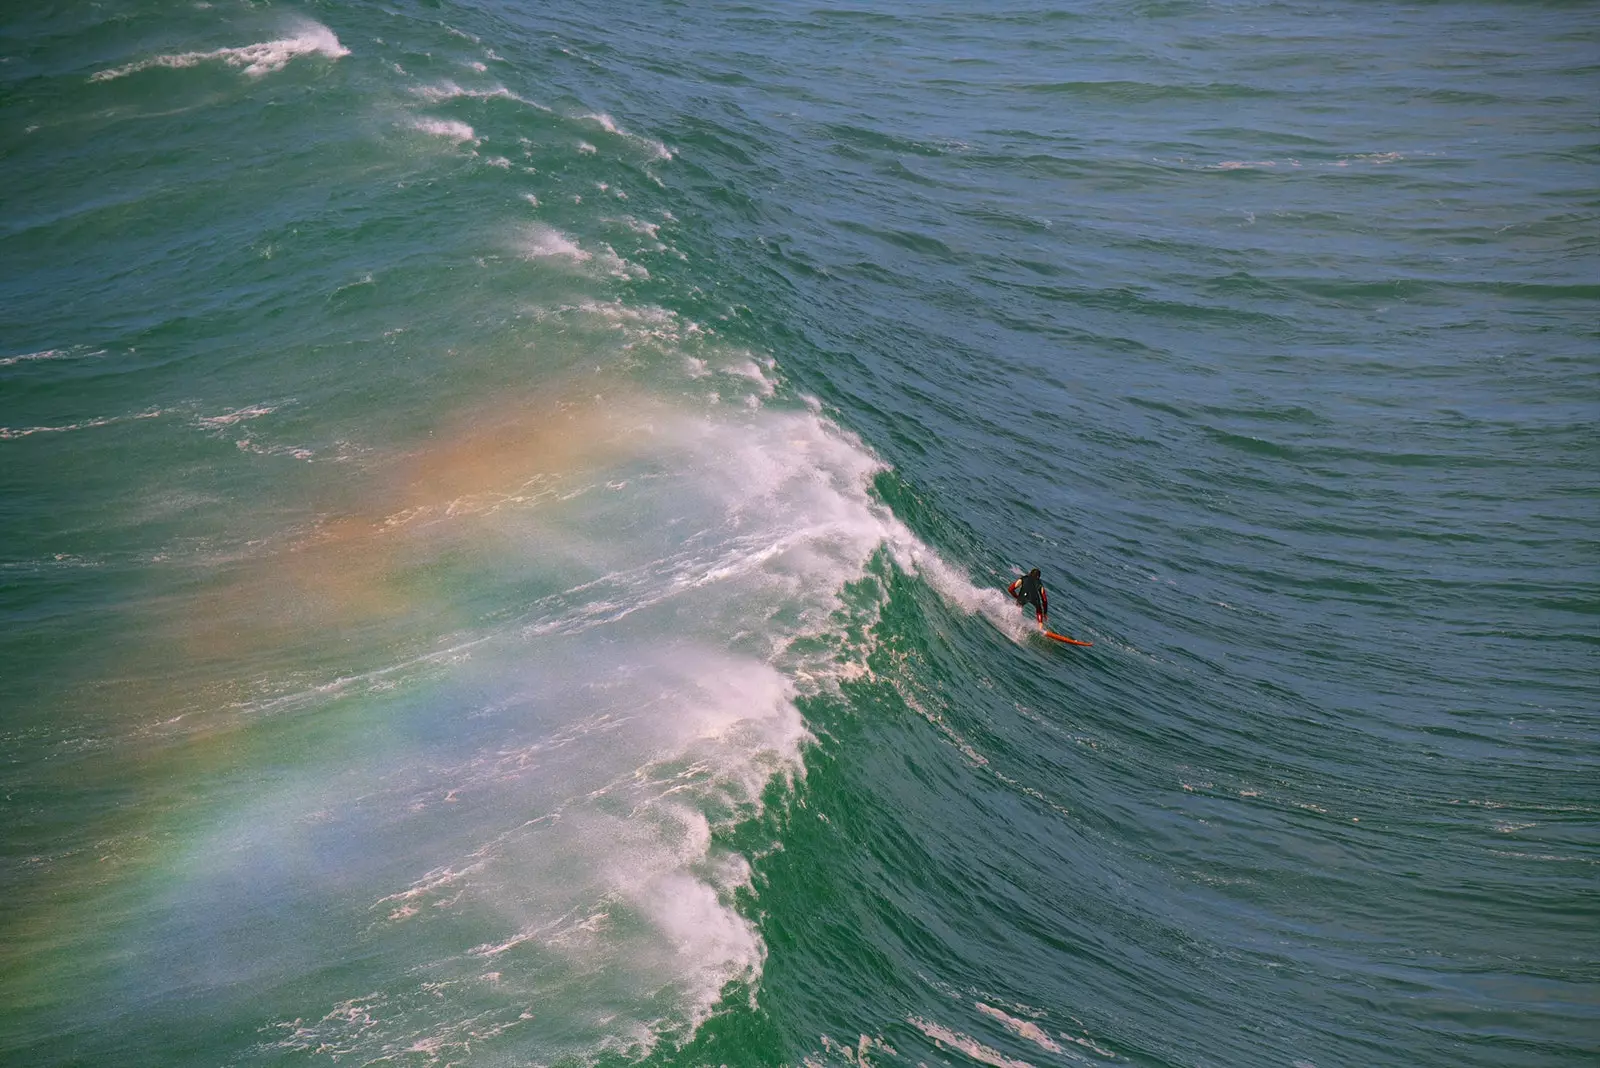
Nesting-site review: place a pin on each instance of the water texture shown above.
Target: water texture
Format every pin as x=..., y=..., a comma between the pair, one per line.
x=504, y=512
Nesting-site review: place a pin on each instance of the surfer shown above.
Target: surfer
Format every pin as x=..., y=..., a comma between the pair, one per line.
x=1029, y=589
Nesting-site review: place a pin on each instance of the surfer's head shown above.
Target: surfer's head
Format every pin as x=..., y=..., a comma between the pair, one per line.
x=1034, y=573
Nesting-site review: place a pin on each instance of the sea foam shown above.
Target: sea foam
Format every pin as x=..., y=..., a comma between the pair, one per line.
x=449, y=129
x=255, y=60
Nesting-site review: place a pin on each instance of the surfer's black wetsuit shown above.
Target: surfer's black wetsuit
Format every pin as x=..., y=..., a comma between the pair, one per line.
x=1029, y=589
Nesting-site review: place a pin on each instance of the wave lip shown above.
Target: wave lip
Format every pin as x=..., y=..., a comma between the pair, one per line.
x=267, y=57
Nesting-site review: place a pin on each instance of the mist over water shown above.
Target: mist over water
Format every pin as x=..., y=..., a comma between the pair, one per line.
x=506, y=515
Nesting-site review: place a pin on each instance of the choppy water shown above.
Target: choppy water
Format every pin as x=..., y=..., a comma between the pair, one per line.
x=505, y=506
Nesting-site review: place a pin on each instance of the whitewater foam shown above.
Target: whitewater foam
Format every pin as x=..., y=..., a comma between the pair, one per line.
x=638, y=226
x=1022, y=1028
x=237, y=415
x=966, y=1044
x=449, y=129
x=546, y=242
x=450, y=90
x=654, y=148
x=12, y=433
x=312, y=38
x=620, y=876
x=542, y=242
x=47, y=354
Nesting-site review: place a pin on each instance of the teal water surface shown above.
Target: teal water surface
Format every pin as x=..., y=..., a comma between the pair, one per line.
x=506, y=510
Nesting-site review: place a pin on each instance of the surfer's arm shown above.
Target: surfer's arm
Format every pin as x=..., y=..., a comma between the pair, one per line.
x=1012, y=589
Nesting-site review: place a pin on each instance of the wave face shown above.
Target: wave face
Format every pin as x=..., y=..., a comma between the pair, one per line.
x=506, y=511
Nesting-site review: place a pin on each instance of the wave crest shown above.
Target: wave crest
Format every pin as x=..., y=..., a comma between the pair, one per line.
x=256, y=60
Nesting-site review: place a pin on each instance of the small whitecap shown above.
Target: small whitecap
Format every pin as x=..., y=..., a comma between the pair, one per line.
x=638, y=226
x=449, y=129
x=237, y=415
x=450, y=90
x=609, y=125
x=546, y=242
x=751, y=370
x=445, y=90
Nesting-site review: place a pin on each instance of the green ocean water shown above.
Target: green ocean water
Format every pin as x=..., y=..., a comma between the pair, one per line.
x=504, y=512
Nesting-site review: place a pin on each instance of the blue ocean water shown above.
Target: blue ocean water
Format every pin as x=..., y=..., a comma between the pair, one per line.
x=506, y=511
